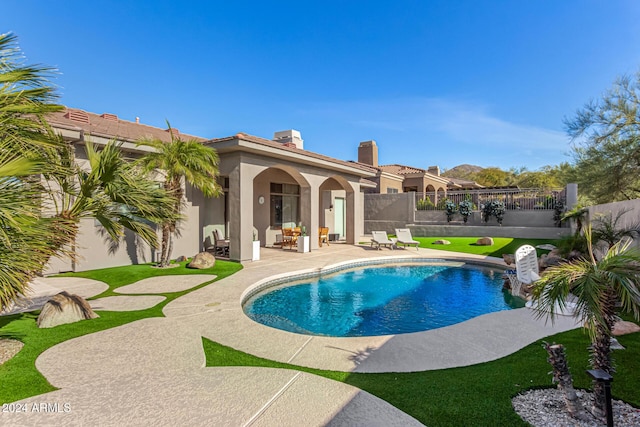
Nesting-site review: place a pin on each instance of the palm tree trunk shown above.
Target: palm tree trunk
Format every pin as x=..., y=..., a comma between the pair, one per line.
x=164, y=255
x=170, y=248
x=562, y=376
x=601, y=353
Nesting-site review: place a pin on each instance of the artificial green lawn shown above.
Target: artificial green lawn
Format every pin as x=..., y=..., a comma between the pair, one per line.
x=476, y=395
x=20, y=378
x=501, y=245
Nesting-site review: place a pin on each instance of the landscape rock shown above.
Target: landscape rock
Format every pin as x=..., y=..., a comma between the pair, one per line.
x=622, y=327
x=485, y=241
x=202, y=260
x=181, y=258
x=64, y=308
x=442, y=242
x=549, y=260
x=508, y=259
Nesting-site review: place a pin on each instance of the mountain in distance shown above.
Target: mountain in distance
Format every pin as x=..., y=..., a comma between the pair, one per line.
x=462, y=171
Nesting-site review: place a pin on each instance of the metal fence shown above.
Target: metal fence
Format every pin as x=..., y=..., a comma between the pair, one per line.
x=513, y=198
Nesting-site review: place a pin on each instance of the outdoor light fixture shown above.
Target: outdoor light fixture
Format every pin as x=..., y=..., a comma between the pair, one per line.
x=330, y=208
x=603, y=377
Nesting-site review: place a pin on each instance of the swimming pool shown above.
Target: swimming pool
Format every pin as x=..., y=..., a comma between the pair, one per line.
x=382, y=300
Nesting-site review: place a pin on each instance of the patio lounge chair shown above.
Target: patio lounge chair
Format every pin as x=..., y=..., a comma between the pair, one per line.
x=380, y=238
x=405, y=238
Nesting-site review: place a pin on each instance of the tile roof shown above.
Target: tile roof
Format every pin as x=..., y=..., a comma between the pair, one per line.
x=110, y=126
x=402, y=169
x=286, y=147
x=465, y=183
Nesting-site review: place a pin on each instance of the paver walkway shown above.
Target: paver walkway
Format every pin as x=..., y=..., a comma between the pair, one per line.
x=151, y=372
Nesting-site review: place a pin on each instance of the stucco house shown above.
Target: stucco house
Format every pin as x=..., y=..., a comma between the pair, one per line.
x=395, y=178
x=268, y=184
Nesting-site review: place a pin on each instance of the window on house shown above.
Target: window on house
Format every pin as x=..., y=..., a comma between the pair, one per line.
x=285, y=205
x=392, y=190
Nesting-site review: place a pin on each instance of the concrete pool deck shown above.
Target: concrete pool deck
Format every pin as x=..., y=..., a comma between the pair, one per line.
x=152, y=371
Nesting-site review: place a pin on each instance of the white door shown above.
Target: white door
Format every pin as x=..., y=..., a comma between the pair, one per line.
x=340, y=217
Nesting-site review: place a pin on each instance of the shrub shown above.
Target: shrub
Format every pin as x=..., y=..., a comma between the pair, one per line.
x=558, y=212
x=465, y=208
x=424, y=204
x=494, y=208
x=450, y=209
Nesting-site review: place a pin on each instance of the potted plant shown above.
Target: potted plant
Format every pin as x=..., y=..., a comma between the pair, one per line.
x=303, y=240
x=256, y=248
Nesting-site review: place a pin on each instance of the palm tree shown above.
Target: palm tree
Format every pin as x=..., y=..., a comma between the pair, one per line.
x=607, y=229
x=179, y=162
x=577, y=214
x=601, y=287
x=43, y=192
x=114, y=191
x=25, y=98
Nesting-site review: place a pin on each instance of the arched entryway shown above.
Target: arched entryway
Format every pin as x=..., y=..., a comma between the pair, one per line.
x=337, y=208
x=282, y=198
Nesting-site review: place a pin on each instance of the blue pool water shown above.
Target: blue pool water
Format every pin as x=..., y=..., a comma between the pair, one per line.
x=383, y=300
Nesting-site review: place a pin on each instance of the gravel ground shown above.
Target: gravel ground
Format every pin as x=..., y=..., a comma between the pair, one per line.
x=9, y=348
x=545, y=408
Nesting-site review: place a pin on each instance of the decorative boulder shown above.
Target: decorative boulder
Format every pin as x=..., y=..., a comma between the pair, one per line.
x=181, y=258
x=622, y=327
x=442, y=242
x=202, y=260
x=485, y=241
x=509, y=259
x=64, y=308
x=549, y=260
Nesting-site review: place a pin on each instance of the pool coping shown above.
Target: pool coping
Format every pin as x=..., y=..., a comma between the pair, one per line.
x=216, y=312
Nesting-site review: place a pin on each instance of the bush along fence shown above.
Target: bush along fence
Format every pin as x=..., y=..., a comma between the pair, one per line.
x=492, y=203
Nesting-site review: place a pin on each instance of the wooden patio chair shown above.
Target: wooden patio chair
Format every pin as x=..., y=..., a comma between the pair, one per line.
x=323, y=235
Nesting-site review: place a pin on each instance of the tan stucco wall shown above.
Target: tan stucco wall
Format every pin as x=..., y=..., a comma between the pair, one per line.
x=250, y=176
x=386, y=183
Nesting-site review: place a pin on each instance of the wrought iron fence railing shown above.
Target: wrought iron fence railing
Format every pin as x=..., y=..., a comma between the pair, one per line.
x=513, y=199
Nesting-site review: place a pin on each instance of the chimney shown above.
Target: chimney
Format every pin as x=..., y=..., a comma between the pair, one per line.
x=434, y=170
x=290, y=138
x=137, y=120
x=368, y=153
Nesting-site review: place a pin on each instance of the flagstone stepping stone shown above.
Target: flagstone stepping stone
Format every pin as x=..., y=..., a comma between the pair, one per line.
x=164, y=284
x=42, y=289
x=126, y=303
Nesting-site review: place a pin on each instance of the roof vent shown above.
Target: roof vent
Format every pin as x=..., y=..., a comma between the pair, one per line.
x=77, y=116
x=108, y=116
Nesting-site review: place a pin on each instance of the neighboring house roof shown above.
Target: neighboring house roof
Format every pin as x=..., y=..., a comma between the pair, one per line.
x=276, y=149
x=404, y=170
x=463, y=183
x=110, y=126
x=366, y=183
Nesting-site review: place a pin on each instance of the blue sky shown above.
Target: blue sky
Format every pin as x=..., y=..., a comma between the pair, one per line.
x=433, y=82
